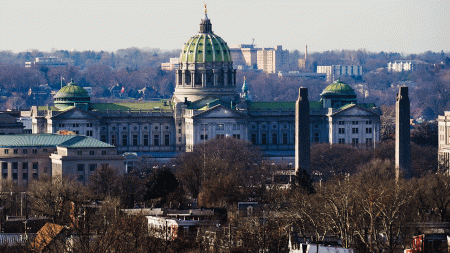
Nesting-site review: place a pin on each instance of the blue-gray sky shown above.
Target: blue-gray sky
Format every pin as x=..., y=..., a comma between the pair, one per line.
x=406, y=26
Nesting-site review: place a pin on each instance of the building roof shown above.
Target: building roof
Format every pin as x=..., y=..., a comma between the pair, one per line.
x=72, y=90
x=164, y=105
x=154, y=105
x=339, y=88
x=45, y=236
x=281, y=105
x=51, y=140
x=205, y=46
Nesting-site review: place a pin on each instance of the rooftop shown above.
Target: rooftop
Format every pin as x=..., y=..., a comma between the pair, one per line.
x=51, y=140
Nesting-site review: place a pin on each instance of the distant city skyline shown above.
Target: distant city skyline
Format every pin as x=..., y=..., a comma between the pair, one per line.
x=407, y=27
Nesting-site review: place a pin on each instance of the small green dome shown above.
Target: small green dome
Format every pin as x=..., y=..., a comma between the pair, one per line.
x=72, y=95
x=71, y=90
x=339, y=88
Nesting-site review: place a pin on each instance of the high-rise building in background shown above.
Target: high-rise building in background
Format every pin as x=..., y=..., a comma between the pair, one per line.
x=272, y=60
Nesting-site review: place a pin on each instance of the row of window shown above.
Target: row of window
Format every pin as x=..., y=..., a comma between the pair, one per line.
x=274, y=139
x=135, y=140
x=355, y=141
x=75, y=125
x=354, y=122
x=24, y=151
x=355, y=130
x=14, y=167
x=91, y=152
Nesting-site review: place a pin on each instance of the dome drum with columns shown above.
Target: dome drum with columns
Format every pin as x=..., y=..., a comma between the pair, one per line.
x=206, y=68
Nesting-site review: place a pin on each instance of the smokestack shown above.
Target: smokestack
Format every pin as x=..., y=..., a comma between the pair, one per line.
x=306, y=53
x=302, y=135
x=402, y=134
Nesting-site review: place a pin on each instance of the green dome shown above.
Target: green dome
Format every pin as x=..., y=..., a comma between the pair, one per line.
x=72, y=90
x=339, y=88
x=205, y=46
x=72, y=95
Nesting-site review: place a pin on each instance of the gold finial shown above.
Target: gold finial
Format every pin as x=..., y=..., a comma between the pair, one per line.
x=244, y=78
x=206, y=10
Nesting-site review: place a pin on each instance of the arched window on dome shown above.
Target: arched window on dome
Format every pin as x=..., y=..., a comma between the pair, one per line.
x=209, y=77
x=187, y=77
x=198, y=78
x=220, y=78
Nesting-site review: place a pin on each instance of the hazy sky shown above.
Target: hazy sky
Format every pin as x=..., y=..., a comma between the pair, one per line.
x=410, y=26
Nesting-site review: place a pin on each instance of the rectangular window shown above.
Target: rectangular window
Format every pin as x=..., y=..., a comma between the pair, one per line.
x=354, y=122
x=103, y=138
x=166, y=139
x=114, y=140
x=124, y=140
x=341, y=122
x=135, y=140
x=354, y=130
x=342, y=130
x=368, y=122
x=368, y=130
x=4, y=170
x=34, y=151
x=92, y=167
x=14, y=165
x=274, y=139
x=6, y=151
x=79, y=152
x=76, y=125
x=156, y=140
x=237, y=136
x=368, y=142
x=16, y=151
x=60, y=125
x=236, y=127
x=341, y=141
x=263, y=139
x=91, y=152
x=285, y=138
x=103, y=152
x=355, y=142
x=45, y=170
x=89, y=133
x=179, y=131
x=35, y=175
x=179, y=139
x=80, y=167
x=25, y=176
x=14, y=176
x=90, y=125
x=24, y=167
x=220, y=127
x=35, y=166
x=220, y=136
x=44, y=150
x=77, y=132
x=254, y=139
x=25, y=151
x=316, y=137
x=145, y=139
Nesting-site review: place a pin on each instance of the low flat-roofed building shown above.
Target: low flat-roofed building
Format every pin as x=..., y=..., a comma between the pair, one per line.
x=46, y=61
x=26, y=157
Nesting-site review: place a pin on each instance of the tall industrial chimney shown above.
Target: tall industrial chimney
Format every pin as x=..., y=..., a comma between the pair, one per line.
x=402, y=134
x=302, y=133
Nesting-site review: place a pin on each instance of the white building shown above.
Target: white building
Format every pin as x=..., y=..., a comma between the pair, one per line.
x=335, y=71
x=272, y=60
x=173, y=64
x=407, y=65
x=46, y=61
x=444, y=142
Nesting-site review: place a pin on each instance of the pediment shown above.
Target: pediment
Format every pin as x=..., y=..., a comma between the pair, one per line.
x=219, y=111
x=75, y=113
x=354, y=111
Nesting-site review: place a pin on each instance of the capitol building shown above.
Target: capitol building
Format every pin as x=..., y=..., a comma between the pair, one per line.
x=207, y=104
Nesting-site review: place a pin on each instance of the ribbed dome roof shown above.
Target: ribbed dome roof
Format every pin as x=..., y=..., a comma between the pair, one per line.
x=339, y=88
x=205, y=46
x=71, y=90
